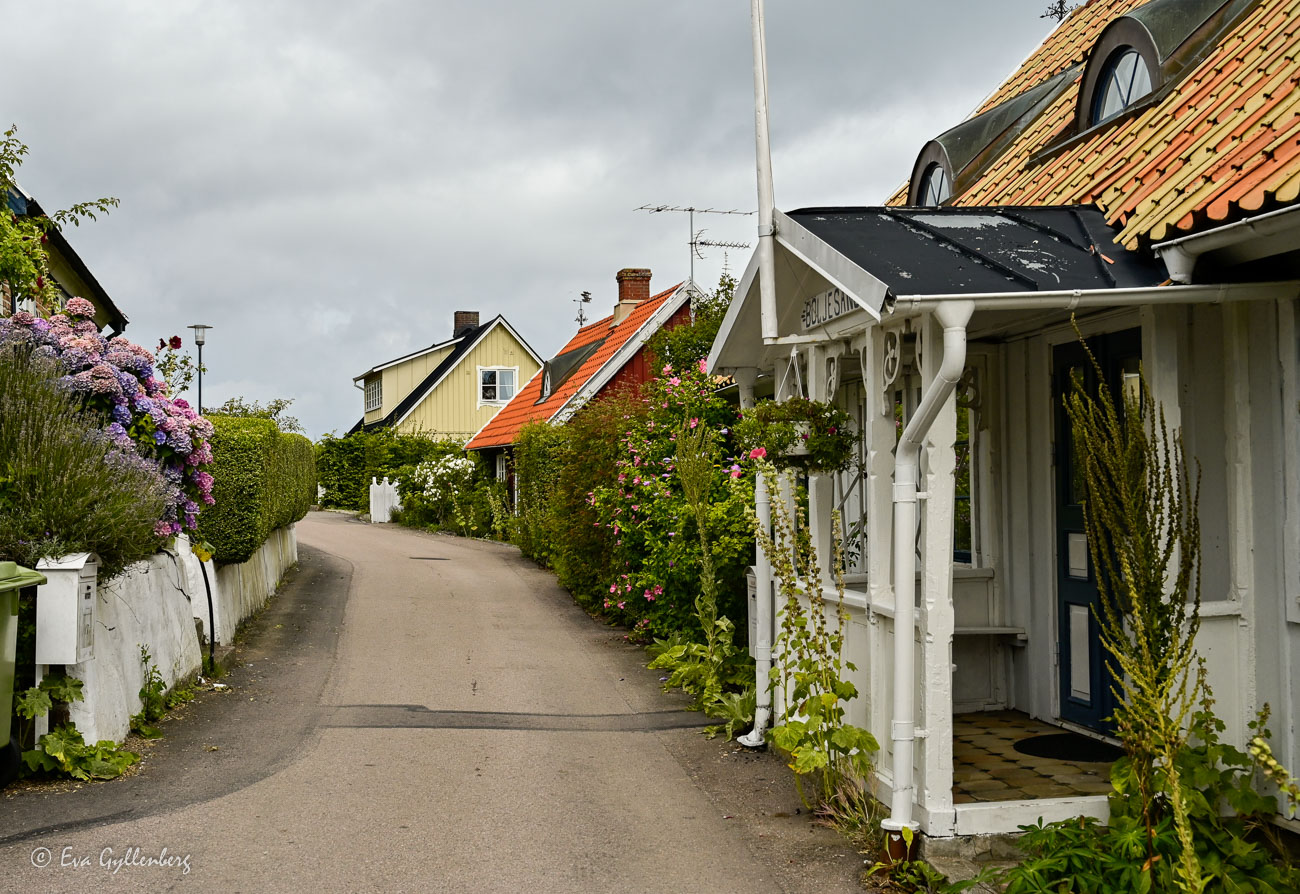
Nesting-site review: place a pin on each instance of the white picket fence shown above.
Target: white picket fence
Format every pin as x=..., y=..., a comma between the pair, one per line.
x=384, y=501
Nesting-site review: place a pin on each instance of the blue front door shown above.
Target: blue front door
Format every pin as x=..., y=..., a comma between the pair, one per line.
x=1086, y=684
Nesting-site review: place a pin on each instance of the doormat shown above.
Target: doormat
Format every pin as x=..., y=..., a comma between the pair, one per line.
x=1070, y=747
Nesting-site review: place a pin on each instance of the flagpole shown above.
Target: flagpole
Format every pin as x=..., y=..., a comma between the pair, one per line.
x=763, y=158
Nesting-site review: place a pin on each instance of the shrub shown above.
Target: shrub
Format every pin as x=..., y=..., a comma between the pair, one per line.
x=65, y=486
x=584, y=550
x=657, y=556
x=265, y=479
x=539, y=455
x=117, y=380
x=346, y=464
x=447, y=492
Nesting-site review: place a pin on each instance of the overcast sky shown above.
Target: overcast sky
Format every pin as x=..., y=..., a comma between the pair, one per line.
x=326, y=182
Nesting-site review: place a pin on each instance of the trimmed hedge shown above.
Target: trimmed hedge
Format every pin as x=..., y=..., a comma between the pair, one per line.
x=264, y=479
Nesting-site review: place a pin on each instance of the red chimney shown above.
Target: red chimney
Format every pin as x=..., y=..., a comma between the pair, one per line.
x=633, y=288
x=463, y=321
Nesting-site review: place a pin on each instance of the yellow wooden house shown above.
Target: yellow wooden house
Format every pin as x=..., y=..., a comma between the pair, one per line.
x=452, y=388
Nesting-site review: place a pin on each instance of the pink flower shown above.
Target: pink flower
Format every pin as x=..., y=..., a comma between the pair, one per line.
x=758, y=453
x=79, y=307
x=668, y=368
x=735, y=471
x=704, y=365
x=674, y=381
x=694, y=422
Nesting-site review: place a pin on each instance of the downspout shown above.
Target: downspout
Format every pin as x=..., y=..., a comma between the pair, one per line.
x=757, y=736
x=953, y=316
x=763, y=609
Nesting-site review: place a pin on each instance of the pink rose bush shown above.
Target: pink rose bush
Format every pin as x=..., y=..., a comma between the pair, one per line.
x=117, y=379
x=657, y=557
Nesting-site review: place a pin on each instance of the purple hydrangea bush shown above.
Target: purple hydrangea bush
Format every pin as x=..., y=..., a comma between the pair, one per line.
x=118, y=379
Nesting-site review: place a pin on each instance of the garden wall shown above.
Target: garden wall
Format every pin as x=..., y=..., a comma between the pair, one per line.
x=241, y=589
x=161, y=604
x=151, y=603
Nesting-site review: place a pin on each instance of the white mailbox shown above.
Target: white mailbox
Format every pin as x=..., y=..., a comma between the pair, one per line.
x=66, y=609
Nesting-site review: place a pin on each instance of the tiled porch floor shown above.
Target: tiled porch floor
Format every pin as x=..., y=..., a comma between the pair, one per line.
x=986, y=766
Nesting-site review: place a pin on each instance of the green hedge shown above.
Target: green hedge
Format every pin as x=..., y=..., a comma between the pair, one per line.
x=263, y=479
x=346, y=464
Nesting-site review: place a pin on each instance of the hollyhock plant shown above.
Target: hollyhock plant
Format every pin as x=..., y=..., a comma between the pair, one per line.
x=117, y=379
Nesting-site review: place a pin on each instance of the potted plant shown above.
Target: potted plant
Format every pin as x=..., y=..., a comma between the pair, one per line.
x=799, y=433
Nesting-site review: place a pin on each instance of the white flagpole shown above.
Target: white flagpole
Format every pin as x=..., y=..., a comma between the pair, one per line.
x=766, y=202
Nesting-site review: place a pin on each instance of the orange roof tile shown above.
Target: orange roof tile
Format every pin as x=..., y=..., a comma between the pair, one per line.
x=504, y=428
x=1225, y=140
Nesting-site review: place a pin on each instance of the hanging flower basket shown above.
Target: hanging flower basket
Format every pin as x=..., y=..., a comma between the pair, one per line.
x=799, y=433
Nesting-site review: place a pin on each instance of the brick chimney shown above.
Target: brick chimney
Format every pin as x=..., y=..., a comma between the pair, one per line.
x=633, y=288
x=463, y=321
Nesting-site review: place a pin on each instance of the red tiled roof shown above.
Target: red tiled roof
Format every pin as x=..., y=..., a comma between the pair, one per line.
x=1225, y=140
x=524, y=408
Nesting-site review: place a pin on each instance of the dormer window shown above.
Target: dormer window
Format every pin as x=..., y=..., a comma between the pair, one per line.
x=1124, y=80
x=936, y=188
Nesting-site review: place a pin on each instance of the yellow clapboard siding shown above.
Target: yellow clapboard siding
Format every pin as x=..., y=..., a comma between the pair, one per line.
x=453, y=409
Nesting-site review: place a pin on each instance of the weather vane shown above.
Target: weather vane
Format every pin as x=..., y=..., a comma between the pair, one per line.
x=696, y=242
x=582, y=301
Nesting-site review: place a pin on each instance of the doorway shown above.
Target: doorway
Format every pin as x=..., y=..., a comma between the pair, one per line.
x=1084, y=678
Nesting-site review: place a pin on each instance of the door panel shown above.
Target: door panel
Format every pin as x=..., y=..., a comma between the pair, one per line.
x=1084, y=678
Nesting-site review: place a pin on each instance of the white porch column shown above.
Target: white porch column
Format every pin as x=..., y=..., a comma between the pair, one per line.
x=820, y=487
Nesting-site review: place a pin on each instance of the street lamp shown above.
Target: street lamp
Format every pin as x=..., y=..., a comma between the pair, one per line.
x=200, y=336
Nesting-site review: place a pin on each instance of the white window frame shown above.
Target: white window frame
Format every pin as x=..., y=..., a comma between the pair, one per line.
x=500, y=401
x=374, y=394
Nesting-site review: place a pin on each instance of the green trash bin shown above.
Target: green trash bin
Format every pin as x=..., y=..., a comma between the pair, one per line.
x=13, y=580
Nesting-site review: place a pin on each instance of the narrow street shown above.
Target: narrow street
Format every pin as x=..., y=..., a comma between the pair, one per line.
x=424, y=713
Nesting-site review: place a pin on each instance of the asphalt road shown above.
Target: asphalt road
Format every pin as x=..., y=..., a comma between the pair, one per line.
x=425, y=713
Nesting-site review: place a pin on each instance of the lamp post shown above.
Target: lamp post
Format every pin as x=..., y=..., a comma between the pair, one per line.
x=200, y=336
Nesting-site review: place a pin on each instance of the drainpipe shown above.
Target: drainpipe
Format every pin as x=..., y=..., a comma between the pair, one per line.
x=953, y=316
x=757, y=736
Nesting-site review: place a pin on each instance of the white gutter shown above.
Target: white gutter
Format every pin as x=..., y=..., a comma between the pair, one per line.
x=763, y=158
x=757, y=736
x=1069, y=299
x=953, y=316
x=1180, y=254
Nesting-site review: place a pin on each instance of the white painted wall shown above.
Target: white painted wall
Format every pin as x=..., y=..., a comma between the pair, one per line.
x=161, y=603
x=147, y=604
x=239, y=590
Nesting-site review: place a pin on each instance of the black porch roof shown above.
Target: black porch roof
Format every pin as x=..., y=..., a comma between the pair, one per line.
x=942, y=251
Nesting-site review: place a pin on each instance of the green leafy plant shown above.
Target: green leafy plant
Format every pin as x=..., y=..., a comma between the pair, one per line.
x=811, y=669
x=62, y=751
x=24, y=264
x=799, y=433
x=919, y=877
x=153, y=701
x=708, y=668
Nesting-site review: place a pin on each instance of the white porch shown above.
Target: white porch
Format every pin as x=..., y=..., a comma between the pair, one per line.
x=986, y=626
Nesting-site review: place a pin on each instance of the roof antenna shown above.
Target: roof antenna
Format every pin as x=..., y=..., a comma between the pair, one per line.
x=696, y=242
x=582, y=310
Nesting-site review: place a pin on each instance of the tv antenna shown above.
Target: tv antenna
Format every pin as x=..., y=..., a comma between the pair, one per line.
x=696, y=241
x=582, y=301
